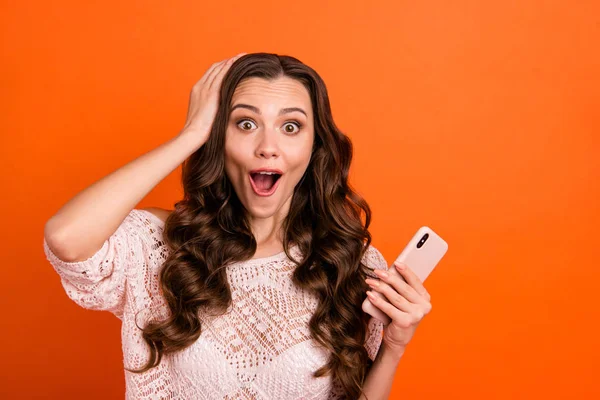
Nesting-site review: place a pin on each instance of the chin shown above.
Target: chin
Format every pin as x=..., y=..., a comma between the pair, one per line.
x=262, y=212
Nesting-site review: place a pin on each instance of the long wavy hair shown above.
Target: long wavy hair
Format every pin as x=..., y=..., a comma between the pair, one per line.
x=209, y=229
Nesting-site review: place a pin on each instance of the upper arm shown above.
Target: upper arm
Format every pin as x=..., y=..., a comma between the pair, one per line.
x=99, y=282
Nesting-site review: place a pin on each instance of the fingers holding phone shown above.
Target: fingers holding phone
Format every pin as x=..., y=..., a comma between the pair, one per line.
x=422, y=253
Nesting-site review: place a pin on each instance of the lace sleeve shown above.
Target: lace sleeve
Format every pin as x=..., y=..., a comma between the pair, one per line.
x=98, y=283
x=374, y=260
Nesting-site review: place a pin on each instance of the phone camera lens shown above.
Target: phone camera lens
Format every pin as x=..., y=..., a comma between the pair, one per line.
x=422, y=241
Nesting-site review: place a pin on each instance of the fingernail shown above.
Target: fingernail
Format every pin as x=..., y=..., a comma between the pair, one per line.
x=381, y=273
x=400, y=266
x=371, y=295
x=371, y=282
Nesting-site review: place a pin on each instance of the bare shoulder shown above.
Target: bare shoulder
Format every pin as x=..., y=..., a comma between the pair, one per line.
x=161, y=213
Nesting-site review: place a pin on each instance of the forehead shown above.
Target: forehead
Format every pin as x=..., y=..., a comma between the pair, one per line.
x=282, y=91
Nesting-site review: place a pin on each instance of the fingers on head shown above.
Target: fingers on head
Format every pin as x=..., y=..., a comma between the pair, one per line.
x=221, y=70
x=217, y=70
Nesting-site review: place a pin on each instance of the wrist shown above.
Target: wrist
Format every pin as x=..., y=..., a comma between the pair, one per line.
x=192, y=139
x=389, y=355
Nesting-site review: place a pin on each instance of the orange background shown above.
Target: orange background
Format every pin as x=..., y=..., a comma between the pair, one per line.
x=477, y=118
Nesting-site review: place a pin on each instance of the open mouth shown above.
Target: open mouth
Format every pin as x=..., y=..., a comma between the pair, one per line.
x=264, y=183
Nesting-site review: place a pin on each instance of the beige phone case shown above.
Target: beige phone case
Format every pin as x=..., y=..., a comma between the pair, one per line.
x=421, y=255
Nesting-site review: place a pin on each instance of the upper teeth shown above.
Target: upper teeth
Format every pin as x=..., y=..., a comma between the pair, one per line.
x=267, y=173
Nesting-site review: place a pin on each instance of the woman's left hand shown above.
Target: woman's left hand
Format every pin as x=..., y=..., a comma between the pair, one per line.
x=406, y=303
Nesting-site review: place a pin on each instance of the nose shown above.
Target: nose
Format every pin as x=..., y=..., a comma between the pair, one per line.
x=267, y=146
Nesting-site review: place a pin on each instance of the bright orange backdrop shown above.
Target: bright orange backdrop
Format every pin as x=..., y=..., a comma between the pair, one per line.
x=477, y=118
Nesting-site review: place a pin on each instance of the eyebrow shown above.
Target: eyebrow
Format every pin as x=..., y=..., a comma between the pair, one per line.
x=256, y=110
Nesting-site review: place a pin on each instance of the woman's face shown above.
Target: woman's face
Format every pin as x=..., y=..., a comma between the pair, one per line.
x=268, y=143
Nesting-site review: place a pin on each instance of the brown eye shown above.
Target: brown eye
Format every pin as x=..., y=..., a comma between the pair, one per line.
x=245, y=124
x=289, y=127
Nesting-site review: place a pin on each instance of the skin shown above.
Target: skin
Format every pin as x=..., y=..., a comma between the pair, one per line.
x=406, y=302
x=266, y=139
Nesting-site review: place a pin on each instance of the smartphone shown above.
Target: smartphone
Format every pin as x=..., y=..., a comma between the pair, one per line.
x=422, y=253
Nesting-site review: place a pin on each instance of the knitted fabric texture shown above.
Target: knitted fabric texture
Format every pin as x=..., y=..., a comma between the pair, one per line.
x=260, y=349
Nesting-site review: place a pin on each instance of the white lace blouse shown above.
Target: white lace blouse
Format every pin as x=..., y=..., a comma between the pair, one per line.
x=260, y=349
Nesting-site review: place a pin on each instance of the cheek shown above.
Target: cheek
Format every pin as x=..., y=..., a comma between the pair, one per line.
x=306, y=152
x=232, y=147
x=299, y=158
x=233, y=159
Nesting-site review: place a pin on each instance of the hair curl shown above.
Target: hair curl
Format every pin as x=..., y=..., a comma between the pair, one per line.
x=209, y=229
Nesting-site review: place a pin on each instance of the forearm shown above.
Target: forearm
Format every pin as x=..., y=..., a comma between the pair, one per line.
x=82, y=225
x=380, y=378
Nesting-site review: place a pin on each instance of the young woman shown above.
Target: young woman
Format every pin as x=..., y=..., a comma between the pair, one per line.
x=252, y=286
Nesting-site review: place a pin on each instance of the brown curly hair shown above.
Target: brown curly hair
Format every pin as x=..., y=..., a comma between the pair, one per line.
x=209, y=230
